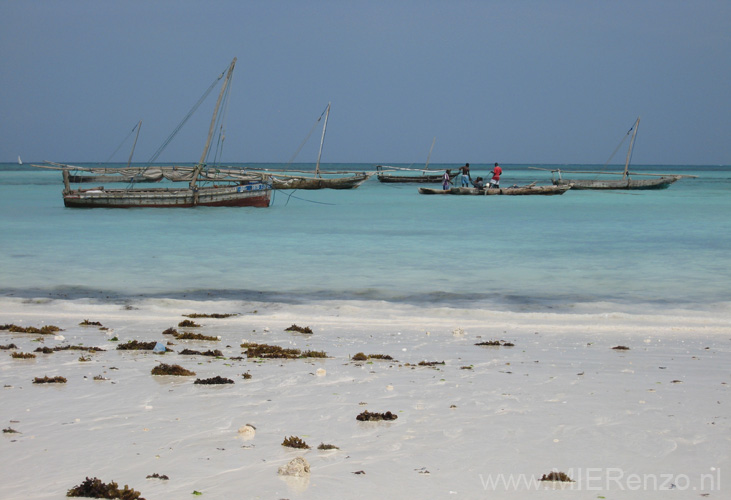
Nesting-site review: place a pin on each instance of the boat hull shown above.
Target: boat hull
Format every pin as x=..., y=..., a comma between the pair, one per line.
x=659, y=183
x=286, y=182
x=78, y=179
x=420, y=179
x=511, y=191
x=248, y=195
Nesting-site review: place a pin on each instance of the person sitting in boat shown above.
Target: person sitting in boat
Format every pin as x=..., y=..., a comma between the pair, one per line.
x=466, y=177
x=495, y=181
x=445, y=180
x=479, y=183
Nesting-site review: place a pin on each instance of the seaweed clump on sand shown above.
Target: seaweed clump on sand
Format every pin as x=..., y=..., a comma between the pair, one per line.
x=186, y=323
x=214, y=315
x=170, y=331
x=295, y=442
x=496, y=343
x=50, y=380
x=165, y=369
x=267, y=351
x=298, y=329
x=213, y=380
x=8, y=346
x=86, y=322
x=324, y=446
x=158, y=476
x=190, y=352
x=44, y=330
x=194, y=336
x=368, y=416
x=135, y=345
x=385, y=357
x=621, y=348
x=45, y=350
x=95, y=488
x=23, y=355
x=557, y=476
x=431, y=363
x=10, y=430
x=78, y=348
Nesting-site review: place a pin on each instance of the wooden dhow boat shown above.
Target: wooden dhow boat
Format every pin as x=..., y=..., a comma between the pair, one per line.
x=244, y=190
x=297, y=179
x=128, y=174
x=530, y=189
x=388, y=174
x=628, y=180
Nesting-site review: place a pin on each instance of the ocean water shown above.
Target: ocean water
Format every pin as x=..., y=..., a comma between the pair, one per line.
x=383, y=242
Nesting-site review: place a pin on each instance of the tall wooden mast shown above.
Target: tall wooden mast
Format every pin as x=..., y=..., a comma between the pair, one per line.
x=629, y=151
x=201, y=163
x=429, y=155
x=139, y=126
x=322, y=140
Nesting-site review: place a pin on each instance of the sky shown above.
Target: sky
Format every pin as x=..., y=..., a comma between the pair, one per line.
x=514, y=81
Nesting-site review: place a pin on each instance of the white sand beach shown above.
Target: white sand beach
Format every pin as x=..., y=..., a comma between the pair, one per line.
x=488, y=423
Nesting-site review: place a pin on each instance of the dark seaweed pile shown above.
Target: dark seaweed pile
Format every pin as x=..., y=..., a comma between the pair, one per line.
x=367, y=416
x=95, y=488
x=214, y=380
x=299, y=329
x=165, y=369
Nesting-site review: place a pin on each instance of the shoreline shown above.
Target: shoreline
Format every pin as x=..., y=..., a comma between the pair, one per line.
x=561, y=398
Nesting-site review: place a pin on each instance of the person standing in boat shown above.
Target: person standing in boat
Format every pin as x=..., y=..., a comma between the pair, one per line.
x=445, y=180
x=466, y=177
x=495, y=181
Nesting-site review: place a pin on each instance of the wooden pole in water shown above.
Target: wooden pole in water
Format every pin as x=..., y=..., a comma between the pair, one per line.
x=66, y=186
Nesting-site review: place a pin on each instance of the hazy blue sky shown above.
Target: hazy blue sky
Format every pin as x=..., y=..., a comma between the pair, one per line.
x=511, y=81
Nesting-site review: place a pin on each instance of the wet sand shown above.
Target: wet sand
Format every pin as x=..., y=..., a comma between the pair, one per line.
x=487, y=423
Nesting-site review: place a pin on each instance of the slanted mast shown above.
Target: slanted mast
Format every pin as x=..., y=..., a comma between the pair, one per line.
x=629, y=151
x=201, y=163
x=322, y=141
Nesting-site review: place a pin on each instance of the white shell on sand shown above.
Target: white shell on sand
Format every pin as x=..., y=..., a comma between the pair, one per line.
x=321, y=372
x=247, y=432
x=297, y=467
x=389, y=387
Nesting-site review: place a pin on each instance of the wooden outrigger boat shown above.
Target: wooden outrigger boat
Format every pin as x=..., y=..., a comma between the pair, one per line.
x=509, y=191
x=658, y=181
x=424, y=178
x=248, y=190
x=127, y=174
x=286, y=180
x=384, y=173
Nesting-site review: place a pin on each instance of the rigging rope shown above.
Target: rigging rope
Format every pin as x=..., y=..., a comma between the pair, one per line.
x=619, y=145
x=183, y=121
x=221, y=123
x=180, y=126
x=306, y=138
x=122, y=143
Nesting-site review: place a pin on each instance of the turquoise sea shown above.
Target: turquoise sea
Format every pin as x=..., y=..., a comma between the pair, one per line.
x=383, y=242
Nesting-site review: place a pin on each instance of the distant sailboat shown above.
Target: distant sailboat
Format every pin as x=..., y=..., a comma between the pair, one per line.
x=658, y=181
x=425, y=176
x=350, y=180
x=20, y=162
